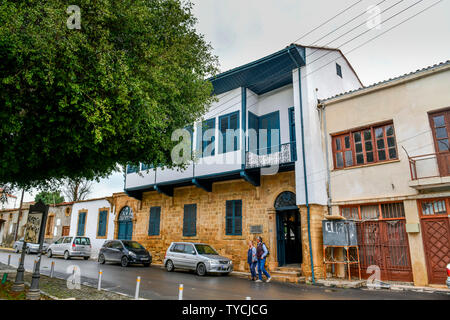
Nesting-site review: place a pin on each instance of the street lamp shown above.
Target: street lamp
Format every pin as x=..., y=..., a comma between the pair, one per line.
x=34, y=233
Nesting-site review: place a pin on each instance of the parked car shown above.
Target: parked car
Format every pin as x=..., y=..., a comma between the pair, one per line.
x=69, y=247
x=31, y=247
x=196, y=256
x=124, y=251
x=448, y=275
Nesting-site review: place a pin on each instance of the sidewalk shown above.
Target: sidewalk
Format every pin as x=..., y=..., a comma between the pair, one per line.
x=57, y=289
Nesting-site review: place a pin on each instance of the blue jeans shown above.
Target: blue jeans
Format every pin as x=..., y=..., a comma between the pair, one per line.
x=253, y=269
x=261, y=269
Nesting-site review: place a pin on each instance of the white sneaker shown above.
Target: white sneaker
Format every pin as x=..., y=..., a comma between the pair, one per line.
x=268, y=280
x=258, y=280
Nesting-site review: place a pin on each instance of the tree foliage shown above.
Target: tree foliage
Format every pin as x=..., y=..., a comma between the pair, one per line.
x=75, y=103
x=49, y=197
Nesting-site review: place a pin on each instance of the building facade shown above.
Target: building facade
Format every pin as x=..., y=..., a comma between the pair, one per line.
x=248, y=176
x=388, y=156
x=58, y=223
x=94, y=219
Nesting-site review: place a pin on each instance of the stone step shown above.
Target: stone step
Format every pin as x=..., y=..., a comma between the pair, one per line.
x=287, y=278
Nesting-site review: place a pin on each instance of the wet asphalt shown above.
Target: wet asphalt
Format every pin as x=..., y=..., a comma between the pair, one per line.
x=158, y=284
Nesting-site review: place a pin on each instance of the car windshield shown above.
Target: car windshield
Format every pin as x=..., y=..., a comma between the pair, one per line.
x=132, y=245
x=205, y=249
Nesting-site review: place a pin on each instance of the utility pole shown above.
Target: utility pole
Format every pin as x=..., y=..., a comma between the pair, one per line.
x=20, y=215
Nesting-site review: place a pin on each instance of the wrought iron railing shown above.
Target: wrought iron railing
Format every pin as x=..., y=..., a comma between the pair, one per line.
x=274, y=155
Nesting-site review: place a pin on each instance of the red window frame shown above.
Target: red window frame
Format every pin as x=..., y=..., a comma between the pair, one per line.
x=380, y=211
x=434, y=200
x=377, y=144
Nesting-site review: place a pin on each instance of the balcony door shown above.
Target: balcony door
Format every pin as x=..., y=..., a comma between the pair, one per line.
x=440, y=127
x=269, y=141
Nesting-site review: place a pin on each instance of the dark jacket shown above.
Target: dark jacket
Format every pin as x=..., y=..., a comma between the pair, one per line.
x=250, y=254
x=261, y=250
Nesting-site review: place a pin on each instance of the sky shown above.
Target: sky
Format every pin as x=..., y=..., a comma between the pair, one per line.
x=241, y=31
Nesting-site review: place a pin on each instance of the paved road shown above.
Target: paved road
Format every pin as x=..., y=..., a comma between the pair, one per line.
x=156, y=283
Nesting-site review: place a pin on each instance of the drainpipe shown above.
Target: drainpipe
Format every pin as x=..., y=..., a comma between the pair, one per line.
x=304, y=168
x=322, y=110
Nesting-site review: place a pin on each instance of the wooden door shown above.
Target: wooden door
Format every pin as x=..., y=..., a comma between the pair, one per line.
x=65, y=231
x=440, y=127
x=436, y=237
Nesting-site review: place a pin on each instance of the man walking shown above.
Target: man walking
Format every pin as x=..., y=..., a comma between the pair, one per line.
x=251, y=259
x=261, y=254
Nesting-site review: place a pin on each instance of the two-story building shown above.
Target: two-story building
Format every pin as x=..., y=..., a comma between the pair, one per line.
x=259, y=168
x=389, y=167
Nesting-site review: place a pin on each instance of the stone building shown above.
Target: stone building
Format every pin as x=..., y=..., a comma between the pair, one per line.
x=11, y=223
x=248, y=177
x=58, y=223
x=389, y=160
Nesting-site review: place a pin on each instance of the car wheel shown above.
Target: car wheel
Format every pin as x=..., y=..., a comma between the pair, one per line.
x=49, y=253
x=101, y=259
x=66, y=255
x=146, y=265
x=86, y=258
x=169, y=266
x=124, y=261
x=16, y=250
x=28, y=251
x=201, y=269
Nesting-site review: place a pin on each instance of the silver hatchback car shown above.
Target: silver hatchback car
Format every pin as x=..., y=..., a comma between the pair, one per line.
x=70, y=247
x=196, y=256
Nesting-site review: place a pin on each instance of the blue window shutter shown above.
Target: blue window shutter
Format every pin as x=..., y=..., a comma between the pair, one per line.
x=190, y=220
x=292, y=134
x=233, y=216
x=81, y=223
x=102, y=223
x=154, y=221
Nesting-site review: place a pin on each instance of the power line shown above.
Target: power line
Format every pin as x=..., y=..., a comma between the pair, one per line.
x=332, y=18
x=361, y=34
x=351, y=20
x=370, y=40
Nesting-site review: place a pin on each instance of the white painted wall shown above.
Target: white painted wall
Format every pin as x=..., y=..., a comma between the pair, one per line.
x=320, y=74
x=92, y=208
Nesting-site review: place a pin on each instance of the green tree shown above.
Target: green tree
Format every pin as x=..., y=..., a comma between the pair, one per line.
x=49, y=197
x=75, y=103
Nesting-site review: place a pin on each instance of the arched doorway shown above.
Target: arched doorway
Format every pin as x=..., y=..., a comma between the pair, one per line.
x=289, y=245
x=125, y=224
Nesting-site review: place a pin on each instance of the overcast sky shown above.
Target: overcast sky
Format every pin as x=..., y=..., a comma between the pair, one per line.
x=242, y=31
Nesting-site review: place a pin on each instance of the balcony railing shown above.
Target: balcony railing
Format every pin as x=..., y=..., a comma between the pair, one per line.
x=424, y=166
x=269, y=157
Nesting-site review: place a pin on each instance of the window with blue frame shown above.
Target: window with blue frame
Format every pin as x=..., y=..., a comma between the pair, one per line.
x=208, y=137
x=154, y=221
x=253, y=133
x=292, y=134
x=145, y=167
x=190, y=220
x=233, y=216
x=81, y=223
x=132, y=169
x=102, y=223
x=229, y=140
x=269, y=133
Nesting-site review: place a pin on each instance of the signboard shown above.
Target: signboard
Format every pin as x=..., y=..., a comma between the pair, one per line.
x=339, y=233
x=33, y=227
x=256, y=229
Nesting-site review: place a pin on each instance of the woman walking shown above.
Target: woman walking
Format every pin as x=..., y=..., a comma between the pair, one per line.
x=251, y=259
